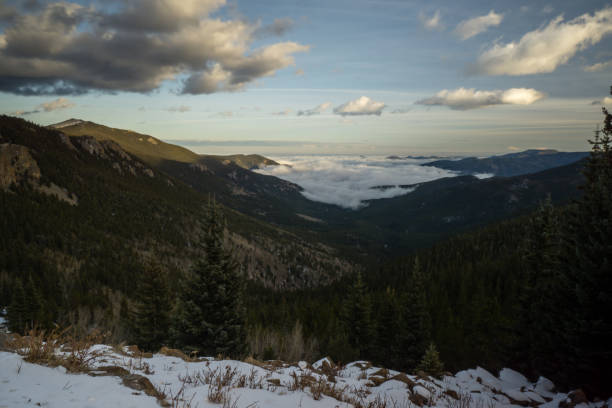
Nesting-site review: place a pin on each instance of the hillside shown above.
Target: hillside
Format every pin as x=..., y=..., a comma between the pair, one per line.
x=513, y=164
x=82, y=217
x=385, y=227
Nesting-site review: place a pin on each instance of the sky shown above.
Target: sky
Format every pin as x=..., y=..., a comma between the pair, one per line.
x=315, y=76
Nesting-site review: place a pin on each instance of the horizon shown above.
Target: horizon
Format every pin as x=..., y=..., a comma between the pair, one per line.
x=365, y=78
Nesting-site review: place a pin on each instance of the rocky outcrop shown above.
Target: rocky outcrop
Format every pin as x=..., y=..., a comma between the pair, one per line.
x=16, y=166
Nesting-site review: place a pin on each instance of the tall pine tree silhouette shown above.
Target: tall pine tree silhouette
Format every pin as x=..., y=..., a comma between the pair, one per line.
x=415, y=329
x=587, y=272
x=151, y=317
x=357, y=318
x=210, y=315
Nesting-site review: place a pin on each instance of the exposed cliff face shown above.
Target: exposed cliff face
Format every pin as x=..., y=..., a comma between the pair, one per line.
x=16, y=166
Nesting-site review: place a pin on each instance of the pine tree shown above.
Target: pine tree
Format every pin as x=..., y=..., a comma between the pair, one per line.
x=210, y=315
x=430, y=363
x=387, y=328
x=587, y=272
x=151, y=317
x=357, y=318
x=415, y=329
x=538, y=309
x=17, y=311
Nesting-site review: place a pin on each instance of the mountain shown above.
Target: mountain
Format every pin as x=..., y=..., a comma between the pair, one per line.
x=513, y=164
x=87, y=208
x=385, y=227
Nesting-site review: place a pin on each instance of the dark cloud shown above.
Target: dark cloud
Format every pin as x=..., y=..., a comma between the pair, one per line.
x=66, y=48
x=279, y=27
x=316, y=110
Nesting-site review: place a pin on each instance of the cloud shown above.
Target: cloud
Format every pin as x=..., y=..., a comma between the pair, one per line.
x=360, y=106
x=474, y=26
x=544, y=49
x=316, y=110
x=57, y=104
x=299, y=72
x=347, y=181
x=65, y=48
x=400, y=111
x=181, y=108
x=600, y=66
x=431, y=23
x=279, y=27
x=282, y=113
x=607, y=101
x=469, y=98
x=547, y=9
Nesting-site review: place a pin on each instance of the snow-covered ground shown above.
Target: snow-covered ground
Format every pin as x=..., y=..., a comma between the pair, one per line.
x=265, y=385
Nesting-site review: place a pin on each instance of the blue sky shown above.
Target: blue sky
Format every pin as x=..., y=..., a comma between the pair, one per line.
x=528, y=71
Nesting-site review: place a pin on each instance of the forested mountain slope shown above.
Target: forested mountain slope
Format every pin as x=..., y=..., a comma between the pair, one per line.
x=81, y=218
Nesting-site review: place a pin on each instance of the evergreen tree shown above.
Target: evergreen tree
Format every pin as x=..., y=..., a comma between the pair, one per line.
x=387, y=328
x=539, y=308
x=151, y=317
x=357, y=318
x=17, y=311
x=587, y=272
x=210, y=315
x=430, y=363
x=415, y=329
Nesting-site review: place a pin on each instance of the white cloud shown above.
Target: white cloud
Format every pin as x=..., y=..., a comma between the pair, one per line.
x=360, y=106
x=316, y=110
x=607, y=101
x=347, y=181
x=544, y=49
x=181, y=108
x=431, y=23
x=282, y=113
x=469, y=98
x=59, y=103
x=600, y=66
x=474, y=26
x=65, y=48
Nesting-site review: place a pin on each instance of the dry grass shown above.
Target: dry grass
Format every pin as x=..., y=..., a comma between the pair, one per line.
x=57, y=347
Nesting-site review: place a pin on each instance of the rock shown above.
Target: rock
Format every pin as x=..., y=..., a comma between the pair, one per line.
x=175, y=353
x=574, y=398
x=274, y=381
x=417, y=399
x=109, y=370
x=405, y=379
x=140, y=383
x=452, y=393
x=17, y=165
x=376, y=380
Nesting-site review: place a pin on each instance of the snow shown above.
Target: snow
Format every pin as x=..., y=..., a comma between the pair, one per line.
x=270, y=385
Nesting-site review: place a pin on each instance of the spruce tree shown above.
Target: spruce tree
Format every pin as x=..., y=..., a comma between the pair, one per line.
x=151, y=317
x=357, y=318
x=539, y=317
x=387, y=328
x=587, y=272
x=17, y=311
x=430, y=363
x=415, y=329
x=210, y=315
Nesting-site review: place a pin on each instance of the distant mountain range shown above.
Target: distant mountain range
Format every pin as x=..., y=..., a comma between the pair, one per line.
x=513, y=164
x=280, y=237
